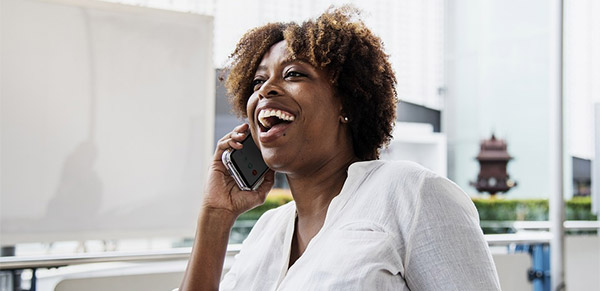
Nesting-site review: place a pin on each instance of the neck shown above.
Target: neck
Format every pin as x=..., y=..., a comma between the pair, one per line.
x=314, y=191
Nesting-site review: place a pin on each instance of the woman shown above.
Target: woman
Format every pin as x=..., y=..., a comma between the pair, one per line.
x=355, y=223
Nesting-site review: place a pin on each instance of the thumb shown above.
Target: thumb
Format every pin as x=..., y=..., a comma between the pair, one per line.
x=268, y=182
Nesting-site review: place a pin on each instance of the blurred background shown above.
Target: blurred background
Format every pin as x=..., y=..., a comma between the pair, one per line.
x=110, y=111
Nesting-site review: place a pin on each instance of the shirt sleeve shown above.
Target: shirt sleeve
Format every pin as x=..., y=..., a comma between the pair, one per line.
x=446, y=249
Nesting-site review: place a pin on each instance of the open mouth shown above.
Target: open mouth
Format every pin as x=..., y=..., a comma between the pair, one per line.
x=269, y=118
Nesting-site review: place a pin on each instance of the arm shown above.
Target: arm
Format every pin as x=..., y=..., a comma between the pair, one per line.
x=223, y=202
x=206, y=260
x=446, y=249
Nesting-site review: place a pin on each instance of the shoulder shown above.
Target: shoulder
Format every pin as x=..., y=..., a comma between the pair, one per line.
x=391, y=171
x=390, y=166
x=401, y=167
x=415, y=185
x=418, y=176
x=437, y=192
x=392, y=176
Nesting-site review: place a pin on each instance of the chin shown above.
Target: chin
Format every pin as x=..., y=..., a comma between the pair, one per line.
x=276, y=160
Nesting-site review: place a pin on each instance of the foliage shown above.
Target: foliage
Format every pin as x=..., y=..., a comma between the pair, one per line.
x=578, y=208
x=514, y=209
x=490, y=209
x=492, y=212
x=275, y=198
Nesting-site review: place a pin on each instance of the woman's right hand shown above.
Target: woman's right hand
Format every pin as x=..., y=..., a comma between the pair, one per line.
x=222, y=203
x=221, y=192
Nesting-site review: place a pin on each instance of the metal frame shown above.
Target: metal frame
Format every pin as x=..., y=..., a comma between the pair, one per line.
x=537, y=244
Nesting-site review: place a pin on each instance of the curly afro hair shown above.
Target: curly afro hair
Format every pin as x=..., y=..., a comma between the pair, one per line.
x=340, y=43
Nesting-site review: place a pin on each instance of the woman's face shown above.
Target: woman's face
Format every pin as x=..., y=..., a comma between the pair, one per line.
x=293, y=113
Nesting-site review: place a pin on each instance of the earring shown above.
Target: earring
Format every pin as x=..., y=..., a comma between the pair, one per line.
x=344, y=119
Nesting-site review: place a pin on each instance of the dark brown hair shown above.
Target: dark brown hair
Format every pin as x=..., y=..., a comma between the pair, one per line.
x=340, y=43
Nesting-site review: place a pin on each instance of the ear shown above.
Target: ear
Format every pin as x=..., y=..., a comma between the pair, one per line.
x=343, y=116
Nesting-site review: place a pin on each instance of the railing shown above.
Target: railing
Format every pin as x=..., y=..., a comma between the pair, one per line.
x=53, y=261
x=542, y=225
x=50, y=261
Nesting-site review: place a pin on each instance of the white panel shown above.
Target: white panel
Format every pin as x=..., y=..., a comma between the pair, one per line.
x=581, y=74
x=412, y=33
x=512, y=271
x=582, y=262
x=107, y=120
x=596, y=162
x=418, y=143
x=498, y=79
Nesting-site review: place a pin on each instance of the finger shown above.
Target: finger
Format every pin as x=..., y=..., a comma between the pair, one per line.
x=235, y=144
x=225, y=137
x=232, y=139
x=225, y=144
x=238, y=136
x=241, y=128
x=270, y=176
x=268, y=182
x=222, y=145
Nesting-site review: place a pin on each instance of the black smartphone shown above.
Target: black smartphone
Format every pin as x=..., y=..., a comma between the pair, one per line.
x=246, y=166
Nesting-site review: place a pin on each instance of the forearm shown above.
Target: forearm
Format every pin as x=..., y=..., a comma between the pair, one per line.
x=208, y=254
x=222, y=203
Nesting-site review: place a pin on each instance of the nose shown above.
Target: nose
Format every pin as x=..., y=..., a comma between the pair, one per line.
x=269, y=89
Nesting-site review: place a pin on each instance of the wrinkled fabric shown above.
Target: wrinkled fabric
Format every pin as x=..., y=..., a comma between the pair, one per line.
x=394, y=226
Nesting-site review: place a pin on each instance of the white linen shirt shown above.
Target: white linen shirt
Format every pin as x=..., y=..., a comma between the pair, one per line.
x=394, y=226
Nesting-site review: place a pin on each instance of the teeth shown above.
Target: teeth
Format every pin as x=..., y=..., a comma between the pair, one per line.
x=266, y=113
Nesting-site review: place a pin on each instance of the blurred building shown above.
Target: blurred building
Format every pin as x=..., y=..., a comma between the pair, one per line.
x=501, y=60
x=486, y=66
x=582, y=177
x=412, y=32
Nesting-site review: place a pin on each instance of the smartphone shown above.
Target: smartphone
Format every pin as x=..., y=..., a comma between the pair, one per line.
x=246, y=166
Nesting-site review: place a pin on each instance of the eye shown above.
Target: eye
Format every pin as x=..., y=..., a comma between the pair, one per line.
x=291, y=74
x=256, y=83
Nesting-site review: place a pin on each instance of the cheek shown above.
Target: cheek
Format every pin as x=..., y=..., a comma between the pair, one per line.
x=327, y=108
x=251, y=106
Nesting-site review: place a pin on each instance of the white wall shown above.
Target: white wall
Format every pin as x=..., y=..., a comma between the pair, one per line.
x=499, y=80
x=107, y=120
x=418, y=143
x=582, y=74
x=501, y=60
